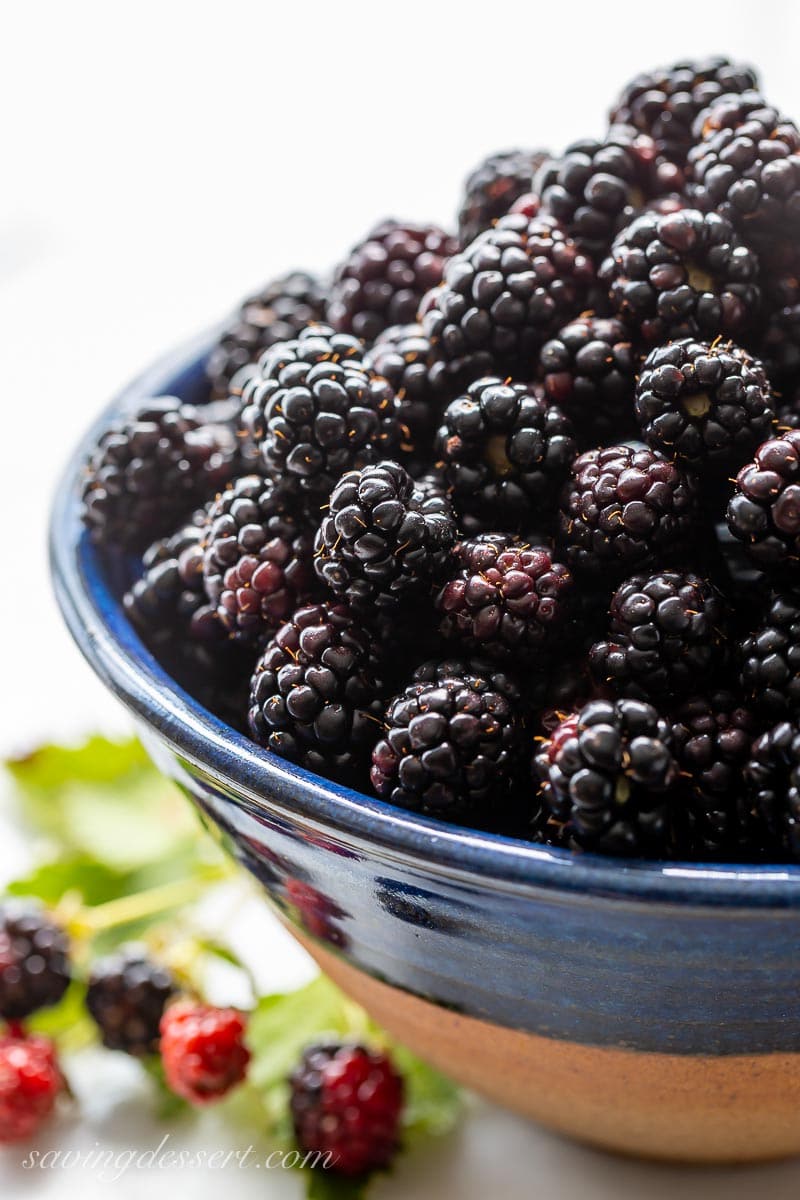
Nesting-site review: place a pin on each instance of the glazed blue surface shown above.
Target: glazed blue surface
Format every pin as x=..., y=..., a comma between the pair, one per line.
x=672, y=957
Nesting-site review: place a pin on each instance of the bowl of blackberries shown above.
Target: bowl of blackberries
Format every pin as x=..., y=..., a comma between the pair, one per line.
x=460, y=589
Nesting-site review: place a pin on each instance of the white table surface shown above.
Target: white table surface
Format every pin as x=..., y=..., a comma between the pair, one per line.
x=160, y=159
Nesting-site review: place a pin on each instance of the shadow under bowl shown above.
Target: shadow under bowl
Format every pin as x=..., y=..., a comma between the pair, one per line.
x=649, y=1008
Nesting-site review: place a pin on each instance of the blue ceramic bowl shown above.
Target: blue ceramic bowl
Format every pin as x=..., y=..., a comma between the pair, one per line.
x=650, y=1008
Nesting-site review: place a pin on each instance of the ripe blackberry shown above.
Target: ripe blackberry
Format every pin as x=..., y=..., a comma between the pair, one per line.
x=505, y=449
x=383, y=278
x=665, y=103
x=713, y=734
x=150, y=469
x=608, y=775
x=508, y=598
x=770, y=658
x=779, y=346
x=316, y=695
x=276, y=313
x=764, y=512
x=787, y=406
x=382, y=540
x=589, y=371
x=451, y=743
x=666, y=632
x=624, y=507
x=34, y=960
x=30, y=1082
x=493, y=187
x=745, y=165
x=683, y=274
x=315, y=411
x=773, y=780
x=596, y=187
x=126, y=995
x=346, y=1102
x=169, y=601
x=203, y=1050
x=257, y=559
x=403, y=356
x=704, y=402
x=506, y=293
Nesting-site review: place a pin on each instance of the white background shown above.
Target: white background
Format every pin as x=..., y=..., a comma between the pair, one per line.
x=156, y=161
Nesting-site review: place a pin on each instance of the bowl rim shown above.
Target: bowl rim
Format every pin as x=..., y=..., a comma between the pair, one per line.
x=96, y=620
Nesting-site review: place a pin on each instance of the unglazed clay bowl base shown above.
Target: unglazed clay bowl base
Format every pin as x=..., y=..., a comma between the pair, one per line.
x=650, y=1008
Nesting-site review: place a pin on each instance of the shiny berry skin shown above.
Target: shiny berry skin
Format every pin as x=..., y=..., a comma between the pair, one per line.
x=589, y=370
x=203, y=1050
x=126, y=995
x=764, y=511
x=34, y=960
x=30, y=1082
x=346, y=1102
x=772, y=777
x=494, y=187
x=770, y=658
x=403, y=355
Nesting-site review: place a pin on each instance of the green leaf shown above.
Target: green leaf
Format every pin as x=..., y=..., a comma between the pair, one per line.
x=327, y=1185
x=168, y=1106
x=68, y=1022
x=98, y=760
x=433, y=1104
x=81, y=874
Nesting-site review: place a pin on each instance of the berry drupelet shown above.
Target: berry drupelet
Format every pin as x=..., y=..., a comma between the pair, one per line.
x=666, y=103
x=773, y=780
x=596, y=187
x=764, y=512
x=509, y=599
x=30, y=1083
x=169, y=599
x=493, y=187
x=505, y=450
x=608, y=776
x=451, y=743
x=317, y=693
x=383, y=279
x=149, y=470
x=277, y=313
x=203, y=1050
x=713, y=734
x=257, y=558
x=315, y=411
x=34, y=960
x=625, y=507
x=403, y=356
x=382, y=540
x=126, y=996
x=682, y=274
x=506, y=293
x=746, y=166
x=666, y=633
x=704, y=403
x=589, y=370
x=346, y=1102
x=779, y=346
x=770, y=658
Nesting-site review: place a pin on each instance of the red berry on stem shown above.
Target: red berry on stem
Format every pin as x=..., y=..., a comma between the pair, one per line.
x=203, y=1051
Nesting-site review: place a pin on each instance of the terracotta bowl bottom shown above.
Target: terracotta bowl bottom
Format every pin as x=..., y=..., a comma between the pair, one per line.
x=680, y=1108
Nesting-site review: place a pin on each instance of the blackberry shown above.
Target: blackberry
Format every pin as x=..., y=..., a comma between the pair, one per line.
x=346, y=1102
x=30, y=1084
x=126, y=996
x=608, y=776
x=764, y=512
x=203, y=1051
x=382, y=540
x=589, y=371
x=770, y=658
x=506, y=293
x=508, y=598
x=624, y=507
x=713, y=734
x=683, y=274
x=493, y=187
x=505, y=450
x=596, y=187
x=666, y=632
x=788, y=409
x=704, y=402
x=257, y=559
x=276, y=313
x=666, y=102
x=746, y=166
x=150, y=469
x=316, y=695
x=403, y=356
x=34, y=960
x=169, y=599
x=315, y=411
x=383, y=278
x=451, y=743
x=773, y=780
x=779, y=346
